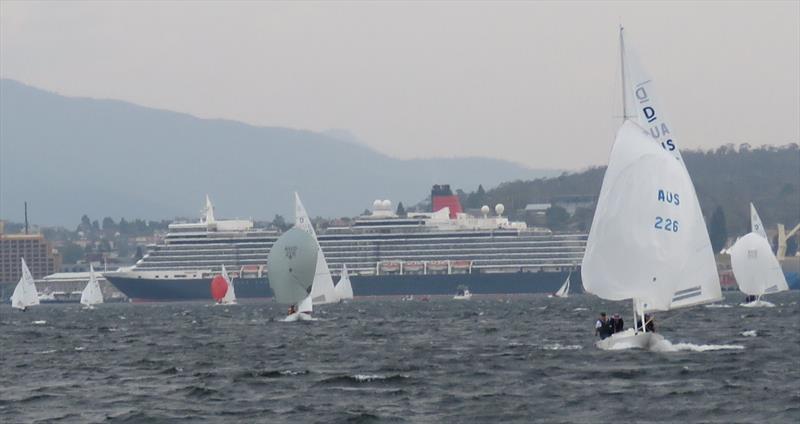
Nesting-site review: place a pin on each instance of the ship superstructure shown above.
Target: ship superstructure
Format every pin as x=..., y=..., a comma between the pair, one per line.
x=421, y=253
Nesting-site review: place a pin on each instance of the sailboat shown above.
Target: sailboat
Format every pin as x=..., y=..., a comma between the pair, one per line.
x=755, y=267
x=322, y=291
x=343, y=289
x=564, y=290
x=291, y=266
x=91, y=295
x=225, y=295
x=648, y=241
x=25, y=294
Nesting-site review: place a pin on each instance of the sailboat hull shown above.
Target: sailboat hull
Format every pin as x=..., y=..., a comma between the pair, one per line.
x=630, y=340
x=299, y=316
x=758, y=304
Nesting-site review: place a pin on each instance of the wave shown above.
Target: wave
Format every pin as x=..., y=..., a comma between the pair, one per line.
x=364, y=378
x=667, y=346
x=559, y=346
x=718, y=305
x=750, y=333
x=40, y=322
x=199, y=391
x=270, y=374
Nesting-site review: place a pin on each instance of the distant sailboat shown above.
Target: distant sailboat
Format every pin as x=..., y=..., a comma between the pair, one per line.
x=564, y=290
x=648, y=241
x=291, y=268
x=462, y=293
x=222, y=289
x=322, y=291
x=92, y=295
x=25, y=294
x=755, y=267
x=343, y=289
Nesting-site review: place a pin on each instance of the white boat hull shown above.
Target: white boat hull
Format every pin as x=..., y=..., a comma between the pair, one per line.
x=758, y=304
x=629, y=339
x=299, y=316
x=465, y=297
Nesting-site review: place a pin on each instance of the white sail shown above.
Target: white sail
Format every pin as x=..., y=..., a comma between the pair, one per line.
x=647, y=229
x=755, y=267
x=290, y=266
x=642, y=107
x=344, y=290
x=755, y=223
x=301, y=219
x=208, y=211
x=25, y=293
x=322, y=291
x=230, y=295
x=564, y=290
x=640, y=98
x=92, y=295
x=306, y=305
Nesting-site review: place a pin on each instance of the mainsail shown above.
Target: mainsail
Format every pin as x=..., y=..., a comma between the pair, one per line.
x=25, y=293
x=641, y=106
x=344, y=290
x=92, y=295
x=640, y=100
x=755, y=267
x=322, y=290
x=755, y=223
x=564, y=290
x=230, y=295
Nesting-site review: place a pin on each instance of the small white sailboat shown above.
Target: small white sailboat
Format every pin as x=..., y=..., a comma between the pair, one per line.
x=291, y=268
x=91, y=295
x=322, y=291
x=463, y=293
x=755, y=267
x=25, y=294
x=564, y=290
x=648, y=241
x=344, y=290
x=230, y=294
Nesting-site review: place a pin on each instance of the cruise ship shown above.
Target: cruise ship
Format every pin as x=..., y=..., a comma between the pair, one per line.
x=431, y=253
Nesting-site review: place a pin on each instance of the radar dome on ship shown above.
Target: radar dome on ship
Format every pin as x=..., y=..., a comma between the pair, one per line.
x=376, y=204
x=387, y=204
x=485, y=210
x=499, y=208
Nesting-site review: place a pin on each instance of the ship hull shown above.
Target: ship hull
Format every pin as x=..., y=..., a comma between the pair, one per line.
x=166, y=290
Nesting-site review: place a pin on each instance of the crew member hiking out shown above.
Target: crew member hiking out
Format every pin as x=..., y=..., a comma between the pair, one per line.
x=603, y=327
x=617, y=324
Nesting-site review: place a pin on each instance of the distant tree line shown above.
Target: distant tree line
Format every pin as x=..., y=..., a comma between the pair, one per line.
x=726, y=180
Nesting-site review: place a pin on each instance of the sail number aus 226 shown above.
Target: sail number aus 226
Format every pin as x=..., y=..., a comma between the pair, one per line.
x=667, y=224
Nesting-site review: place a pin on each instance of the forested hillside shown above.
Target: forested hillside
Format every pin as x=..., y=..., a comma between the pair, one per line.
x=728, y=178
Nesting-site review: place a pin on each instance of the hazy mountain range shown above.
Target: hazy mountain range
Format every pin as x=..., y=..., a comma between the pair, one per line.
x=68, y=156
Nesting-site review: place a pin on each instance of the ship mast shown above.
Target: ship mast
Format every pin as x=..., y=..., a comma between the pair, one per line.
x=622, y=68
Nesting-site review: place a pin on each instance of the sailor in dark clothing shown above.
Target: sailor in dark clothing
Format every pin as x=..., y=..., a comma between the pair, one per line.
x=649, y=325
x=603, y=327
x=750, y=298
x=617, y=324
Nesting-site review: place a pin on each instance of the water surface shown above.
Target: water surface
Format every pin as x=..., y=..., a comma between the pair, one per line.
x=517, y=359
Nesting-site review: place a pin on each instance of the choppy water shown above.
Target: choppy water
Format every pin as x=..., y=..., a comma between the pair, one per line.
x=531, y=359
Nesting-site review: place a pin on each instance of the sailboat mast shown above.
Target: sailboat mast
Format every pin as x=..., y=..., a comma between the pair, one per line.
x=622, y=68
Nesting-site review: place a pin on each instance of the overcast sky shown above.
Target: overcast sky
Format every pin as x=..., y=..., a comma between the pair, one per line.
x=536, y=83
